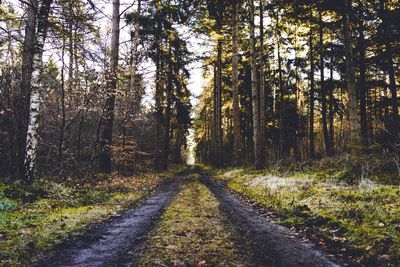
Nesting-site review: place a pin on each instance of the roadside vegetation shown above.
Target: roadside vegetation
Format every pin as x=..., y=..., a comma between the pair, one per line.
x=355, y=218
x=35, y=218
x=192, y=232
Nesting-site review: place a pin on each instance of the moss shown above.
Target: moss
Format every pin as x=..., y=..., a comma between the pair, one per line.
x=363, y=218
x=192, y=230
x=61, y=209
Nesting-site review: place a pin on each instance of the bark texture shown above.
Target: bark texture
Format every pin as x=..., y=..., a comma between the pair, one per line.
x=255, y=96
x=108, y=114
x=26, y=75
x=235, y=89
x=32, y=139
x=350, y=76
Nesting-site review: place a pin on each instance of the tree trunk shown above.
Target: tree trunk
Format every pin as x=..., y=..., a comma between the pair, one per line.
x=352, y=105
x=390, y=64
x=133, y=83
x=282, y=143
x=218, y=107
x=62, y=125
x=331, y=110
x=105, y=155
x=159, y=117
x=71, y=58
x=26, y=75
x=255, y=97
x=32, y=138
x=158, y=99
x=311, y=130
x=167, y=121
x=235, y=90
x=297, y=97
x=323, y=93
x=262, y=89
x=363, y=88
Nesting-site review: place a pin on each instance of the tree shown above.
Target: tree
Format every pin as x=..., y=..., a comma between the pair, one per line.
x=32, y=139
x=262, y=90
x=108, y=113
x=327, y=139
x=26, y=74
x=351, y=86
x=235, y=87
x=387, y=37
x=255, y=96
x=312, y=89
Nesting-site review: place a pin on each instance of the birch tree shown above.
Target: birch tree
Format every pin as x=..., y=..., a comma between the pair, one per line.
x=26, y=74
x=32, y=139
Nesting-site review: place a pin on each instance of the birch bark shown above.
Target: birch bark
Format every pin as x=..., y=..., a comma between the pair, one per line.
x=32, y=138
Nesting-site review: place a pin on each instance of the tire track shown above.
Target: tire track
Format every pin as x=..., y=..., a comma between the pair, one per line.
x=118, y=241
x=274, y=245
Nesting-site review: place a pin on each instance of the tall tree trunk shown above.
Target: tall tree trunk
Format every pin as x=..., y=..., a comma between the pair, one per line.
x=297, y=98
x=323, y=93
x=255, y=97
x=133, y=83
x=26, y=75
x=312, y=89
x=363, y=88
x=178, y=143
x=158, y=98
x=167, y=121
x=235, y=89
x=158, y=116
x=218, y=106
x=331, y=110
x=282, y=126
x=62, y=125
x=32, y=138
x=262, y=89
x=214, y=118
x=106, y=153
x=71, y=58
x=351, y=87
x=390, y=64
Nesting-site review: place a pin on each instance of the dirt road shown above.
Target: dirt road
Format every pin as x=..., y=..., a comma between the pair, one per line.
x=116, y=242
x=121, y=240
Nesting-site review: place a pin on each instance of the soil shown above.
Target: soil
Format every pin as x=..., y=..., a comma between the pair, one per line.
x=120, y=240
x=275, y=245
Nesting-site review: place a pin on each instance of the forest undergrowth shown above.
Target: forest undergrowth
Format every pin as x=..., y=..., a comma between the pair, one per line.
x=35, y=218
x=352, y=210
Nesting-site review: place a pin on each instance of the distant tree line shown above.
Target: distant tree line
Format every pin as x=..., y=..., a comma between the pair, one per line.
x=299, y=80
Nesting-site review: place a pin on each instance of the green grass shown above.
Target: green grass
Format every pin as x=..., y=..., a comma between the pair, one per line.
x=35, y=218
x=192, y=231
x=362, y=219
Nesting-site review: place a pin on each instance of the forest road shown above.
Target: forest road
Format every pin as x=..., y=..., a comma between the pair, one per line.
x=273, y=245
x=118, y=241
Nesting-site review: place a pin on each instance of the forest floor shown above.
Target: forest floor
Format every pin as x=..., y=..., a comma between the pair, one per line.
x=202, y=217
x=359, y=223
x=191, y=220
x=37, y=218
